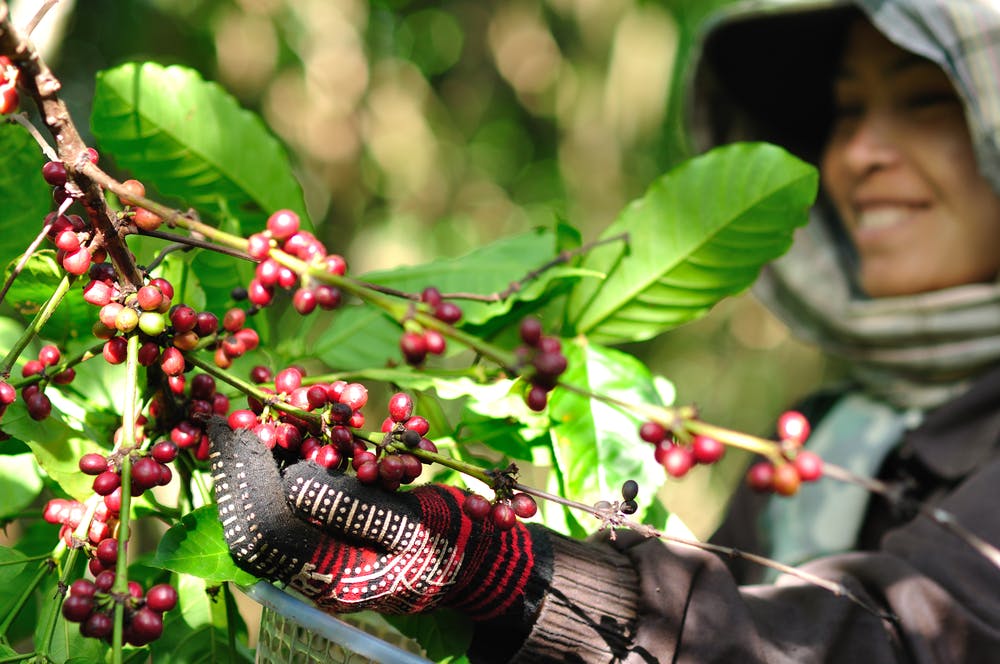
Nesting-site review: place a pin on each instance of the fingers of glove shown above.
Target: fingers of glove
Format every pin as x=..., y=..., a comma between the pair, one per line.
x=343, y=507
x=264, y=536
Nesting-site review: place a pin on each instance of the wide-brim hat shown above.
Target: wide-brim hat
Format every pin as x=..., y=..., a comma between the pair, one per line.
x=763, y=70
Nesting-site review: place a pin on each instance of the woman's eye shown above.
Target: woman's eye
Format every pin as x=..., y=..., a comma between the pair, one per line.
x=930, y=100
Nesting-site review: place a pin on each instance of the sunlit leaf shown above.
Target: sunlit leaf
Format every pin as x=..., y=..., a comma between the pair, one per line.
x=196, y=546
x=596, y=444
x=21, y=482
x=196, y=631
x=25, y=195
x=33, y=288
x=191, y=139
x=699, y=234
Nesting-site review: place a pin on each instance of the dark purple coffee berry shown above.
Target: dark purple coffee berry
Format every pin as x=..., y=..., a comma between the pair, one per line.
x=93, y=463
x=476, y=507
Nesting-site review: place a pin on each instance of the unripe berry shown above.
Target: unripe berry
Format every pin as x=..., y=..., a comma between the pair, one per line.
x=786, y=480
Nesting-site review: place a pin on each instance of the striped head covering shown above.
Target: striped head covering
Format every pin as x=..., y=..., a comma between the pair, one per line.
x=763, y=73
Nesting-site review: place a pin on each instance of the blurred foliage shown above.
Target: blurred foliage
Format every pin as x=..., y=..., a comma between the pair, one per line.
x=424, y=129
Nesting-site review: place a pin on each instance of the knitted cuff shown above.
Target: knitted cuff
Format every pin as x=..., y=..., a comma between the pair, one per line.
x=590, y=610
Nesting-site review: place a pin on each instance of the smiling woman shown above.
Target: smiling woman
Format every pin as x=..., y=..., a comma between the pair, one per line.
x=900, y=169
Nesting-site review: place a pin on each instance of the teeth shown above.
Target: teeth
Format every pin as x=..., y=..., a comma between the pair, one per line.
x=881, y=217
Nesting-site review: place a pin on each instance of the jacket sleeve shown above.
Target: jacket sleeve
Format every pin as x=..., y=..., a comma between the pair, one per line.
x=673, y=603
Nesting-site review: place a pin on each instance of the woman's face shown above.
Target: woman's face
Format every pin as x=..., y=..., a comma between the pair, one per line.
x=900, y=170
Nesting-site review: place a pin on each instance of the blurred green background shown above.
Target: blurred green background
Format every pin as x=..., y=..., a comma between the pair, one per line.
x=423, y=129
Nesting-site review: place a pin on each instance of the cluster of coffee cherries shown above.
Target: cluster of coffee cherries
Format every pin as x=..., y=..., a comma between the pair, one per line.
x=678, y=458
x=69, y=514
x=35, y=401
x=503, y=512
x=283, y=232
x=194, y=405
x=92, y=604
x=148, y=468
x=332, y=442
x=798, y=465
x=544, y=355
x=9, y=98
x=416, y=342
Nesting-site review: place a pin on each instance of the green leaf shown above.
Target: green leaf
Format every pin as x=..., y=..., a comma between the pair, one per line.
x=21, y=484
x=597, y=445
x=699, y=234
x=352, y=338
x=57, y=448
x=196, y=546
x=25, y=195
x=34, y=286
x=196, y=631
x=15, y=575
x=444, y=635
x=191, y=139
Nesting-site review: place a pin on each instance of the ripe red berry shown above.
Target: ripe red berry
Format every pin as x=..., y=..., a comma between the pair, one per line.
x=149, y=298
x=208, y=323
x=106, y=482
x=172, y=361
x=77, y=608
x=523, y=505
x=476, y=507
x=304, y=301
x=678, y=461
x=146, y=626
x=390, y=468
x=531, y=331
x=400, y=407
x=706, y=449
x=288, y=380
x=448, y=312
x=7, y=393
x=418, y=424
x=145, y=473
x=49, y=355
x=652, y=432
x=161, y=597
x=77, y=262
x=503, y=516
x=82, y=588
x=242, y=419
x=107, y=552
x=9, y=99
x=760, y=476
x=283, y=224
x=793, y=426
x=537, y=398
x=327, y=456
x=38, y=405
x=98, y=625
x=54, y=172
x=368, y=472
x=164, y=451
x=93, y=463
x=354, y=395
x=32, y=367
x=234, y=319
x=414, y=347
x=809, y=465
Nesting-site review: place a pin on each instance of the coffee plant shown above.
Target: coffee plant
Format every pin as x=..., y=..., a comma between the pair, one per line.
x=187, y=282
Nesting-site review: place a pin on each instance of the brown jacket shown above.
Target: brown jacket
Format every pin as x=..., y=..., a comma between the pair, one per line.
x=640, y=600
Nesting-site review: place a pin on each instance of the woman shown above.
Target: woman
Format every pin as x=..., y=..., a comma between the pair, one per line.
x=897, y=273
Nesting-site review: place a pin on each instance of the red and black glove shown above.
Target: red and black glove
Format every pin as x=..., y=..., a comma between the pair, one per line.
x=352, y=547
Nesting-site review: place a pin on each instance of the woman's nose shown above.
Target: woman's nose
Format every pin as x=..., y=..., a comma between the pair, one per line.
x=870, y=143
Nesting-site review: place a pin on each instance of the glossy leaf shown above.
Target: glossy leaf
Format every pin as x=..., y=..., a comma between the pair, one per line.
x=597, y=445
x=191, y=139
x=57, y=448
x=196, y=546
x=22, y=483
x=26, y=196
x=33, y=287
x=196, y=630
x=699, y=234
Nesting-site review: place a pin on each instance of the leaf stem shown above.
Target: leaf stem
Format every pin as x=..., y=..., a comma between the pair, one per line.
x=120, y=587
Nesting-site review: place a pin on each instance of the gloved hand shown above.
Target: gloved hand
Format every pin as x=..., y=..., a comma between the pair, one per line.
x=351, y=546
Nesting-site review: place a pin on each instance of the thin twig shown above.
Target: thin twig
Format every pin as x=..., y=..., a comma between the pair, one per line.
x=515, y=286
x=22, y=119
x=941, y=517
x=188, y=242
x=39, y=15
x=24, y=259
x=618, y=519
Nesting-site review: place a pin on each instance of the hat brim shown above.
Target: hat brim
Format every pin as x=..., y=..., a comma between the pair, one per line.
x=766, y=75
